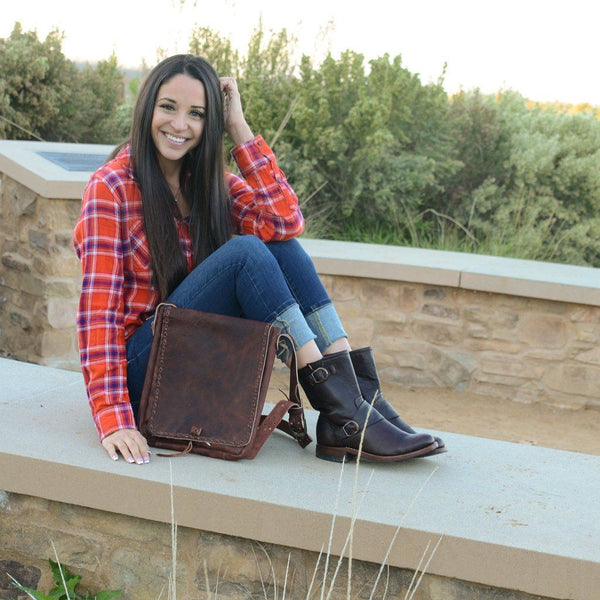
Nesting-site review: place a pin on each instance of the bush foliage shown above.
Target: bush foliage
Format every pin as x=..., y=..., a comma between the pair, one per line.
x=373, y=153
x=44, y=95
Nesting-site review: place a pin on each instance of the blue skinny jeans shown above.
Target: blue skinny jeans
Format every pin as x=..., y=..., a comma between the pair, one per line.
x=272, y=282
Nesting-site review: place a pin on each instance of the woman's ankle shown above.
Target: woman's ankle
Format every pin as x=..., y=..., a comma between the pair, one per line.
x=308, y=353
x=338, y=346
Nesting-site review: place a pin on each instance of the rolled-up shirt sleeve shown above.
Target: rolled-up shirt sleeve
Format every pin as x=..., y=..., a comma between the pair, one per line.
x=263, y=202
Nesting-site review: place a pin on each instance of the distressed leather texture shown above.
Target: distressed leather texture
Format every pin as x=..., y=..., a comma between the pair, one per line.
x=206, y=384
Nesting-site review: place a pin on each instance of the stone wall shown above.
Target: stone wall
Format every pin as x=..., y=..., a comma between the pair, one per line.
x=524, y=349
x=114, y=551
x=39, y=277
x=498, y=345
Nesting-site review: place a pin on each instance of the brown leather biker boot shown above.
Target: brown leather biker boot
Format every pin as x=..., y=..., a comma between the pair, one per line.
x=365, y=370
x=331, y=387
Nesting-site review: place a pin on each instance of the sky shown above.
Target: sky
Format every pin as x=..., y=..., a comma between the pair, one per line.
x=545, y=49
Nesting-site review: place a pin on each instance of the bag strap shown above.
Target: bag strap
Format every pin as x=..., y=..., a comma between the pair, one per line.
x=297, y=419
x=295, y=426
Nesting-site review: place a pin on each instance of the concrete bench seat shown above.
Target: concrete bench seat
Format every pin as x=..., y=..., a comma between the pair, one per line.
x=510, y=516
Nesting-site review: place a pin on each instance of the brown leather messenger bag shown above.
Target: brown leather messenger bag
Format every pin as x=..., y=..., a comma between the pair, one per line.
x=206, y=385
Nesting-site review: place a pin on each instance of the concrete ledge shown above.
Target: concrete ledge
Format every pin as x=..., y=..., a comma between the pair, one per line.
x=477, y=272
x=22, y=161
x=511, y=516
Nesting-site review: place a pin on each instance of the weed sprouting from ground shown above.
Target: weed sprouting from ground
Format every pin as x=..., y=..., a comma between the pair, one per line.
x=65, y=585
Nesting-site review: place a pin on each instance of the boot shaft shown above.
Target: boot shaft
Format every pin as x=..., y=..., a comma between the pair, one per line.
x=363, y=363
x=331, y=386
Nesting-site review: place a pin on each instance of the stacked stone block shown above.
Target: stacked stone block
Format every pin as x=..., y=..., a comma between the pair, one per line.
x=110, y=550
x=509, y=347
x=39, y=277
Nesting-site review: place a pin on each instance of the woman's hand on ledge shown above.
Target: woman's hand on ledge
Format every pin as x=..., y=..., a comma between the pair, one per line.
x=130, y=443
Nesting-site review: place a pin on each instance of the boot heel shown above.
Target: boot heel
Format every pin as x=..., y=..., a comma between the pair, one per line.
x=334, y=454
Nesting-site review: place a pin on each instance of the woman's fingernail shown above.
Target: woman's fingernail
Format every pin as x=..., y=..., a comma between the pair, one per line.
x=130, y=460
x=115, y=457
x=139, y=461
x=147, y=459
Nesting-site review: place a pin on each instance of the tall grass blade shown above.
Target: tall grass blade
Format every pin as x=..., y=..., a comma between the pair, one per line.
x=206, y=580
x=347, y=541
x=335, y=512
x=426, y=566
x=306, y=200
x=314, y=575
x=60, y=570
x=415, y=574
x=354, y=492
x=173, y=578
x=271, y=568
x=285, y=120
x=391, y=544
x=354, y=514
x=287, y=569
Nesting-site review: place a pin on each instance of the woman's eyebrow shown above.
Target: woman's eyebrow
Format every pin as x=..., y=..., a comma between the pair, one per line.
x=175, y=102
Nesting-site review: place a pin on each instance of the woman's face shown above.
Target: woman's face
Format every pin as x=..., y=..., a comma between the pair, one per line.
x=178, y=119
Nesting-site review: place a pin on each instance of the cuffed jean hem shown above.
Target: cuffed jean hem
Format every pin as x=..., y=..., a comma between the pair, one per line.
x=294, y=324
x=326, y=325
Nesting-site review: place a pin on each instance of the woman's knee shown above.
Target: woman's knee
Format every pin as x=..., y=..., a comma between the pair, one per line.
x=248, y=251
x=290, y=252
x=247, y=244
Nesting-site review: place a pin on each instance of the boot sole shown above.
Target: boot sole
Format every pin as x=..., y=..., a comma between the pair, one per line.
x=438, y=450
x=334, y=454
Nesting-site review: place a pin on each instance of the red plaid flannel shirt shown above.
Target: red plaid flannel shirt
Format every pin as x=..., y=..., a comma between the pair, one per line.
x=117, y=295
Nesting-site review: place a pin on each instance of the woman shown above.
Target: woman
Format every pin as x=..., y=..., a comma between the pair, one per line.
x=156, y=224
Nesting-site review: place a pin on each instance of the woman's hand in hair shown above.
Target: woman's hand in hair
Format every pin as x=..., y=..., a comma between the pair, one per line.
x=130, y=443
x=235, y=122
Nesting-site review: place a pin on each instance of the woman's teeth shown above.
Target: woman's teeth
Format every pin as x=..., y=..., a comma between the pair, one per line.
x=177, y=140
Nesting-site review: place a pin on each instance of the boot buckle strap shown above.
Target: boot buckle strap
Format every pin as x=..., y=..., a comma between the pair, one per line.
x=319, y=375
x=351, y=428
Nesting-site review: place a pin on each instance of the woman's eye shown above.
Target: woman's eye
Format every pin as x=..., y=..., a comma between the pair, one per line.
x=167, y=106
x=198, y=114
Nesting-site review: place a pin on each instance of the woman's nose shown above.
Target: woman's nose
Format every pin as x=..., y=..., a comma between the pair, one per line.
x=178, y=121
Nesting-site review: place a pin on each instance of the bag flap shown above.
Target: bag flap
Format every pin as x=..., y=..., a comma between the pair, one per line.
x=210, y=377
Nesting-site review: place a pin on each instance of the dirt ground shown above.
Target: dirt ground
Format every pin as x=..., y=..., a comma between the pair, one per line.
x=534, y=424
x=462, y=412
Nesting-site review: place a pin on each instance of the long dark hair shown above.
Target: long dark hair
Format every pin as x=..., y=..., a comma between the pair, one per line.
x=202, y=176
